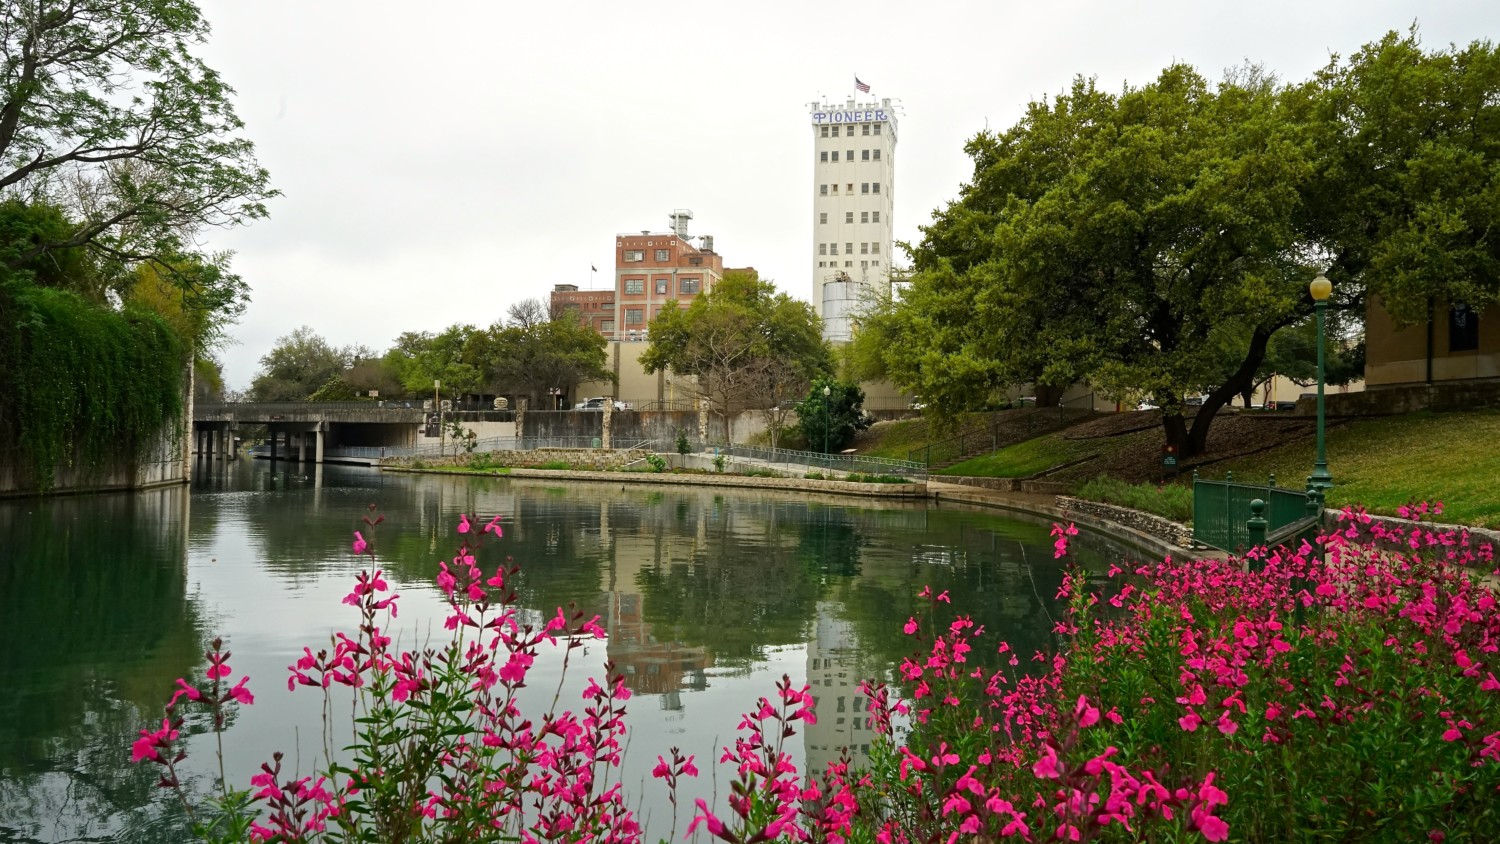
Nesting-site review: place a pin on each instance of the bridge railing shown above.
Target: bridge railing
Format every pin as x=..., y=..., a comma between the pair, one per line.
x=206, y=408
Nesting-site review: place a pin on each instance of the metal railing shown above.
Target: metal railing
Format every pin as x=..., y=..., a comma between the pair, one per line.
x=1221, y=510
x=814, y=461
x=683, y=406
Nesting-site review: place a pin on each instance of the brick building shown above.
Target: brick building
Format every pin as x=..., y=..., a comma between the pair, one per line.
x=654, y=268
x=594, y=308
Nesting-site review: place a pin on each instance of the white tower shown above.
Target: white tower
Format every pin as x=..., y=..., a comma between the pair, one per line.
x=854, y=167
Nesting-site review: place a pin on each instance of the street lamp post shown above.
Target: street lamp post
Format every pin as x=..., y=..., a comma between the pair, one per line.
x=1320, y=479
x=827, y=423
x=437, y=408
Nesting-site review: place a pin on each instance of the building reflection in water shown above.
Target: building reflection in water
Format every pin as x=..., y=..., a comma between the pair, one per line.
x=833, y=675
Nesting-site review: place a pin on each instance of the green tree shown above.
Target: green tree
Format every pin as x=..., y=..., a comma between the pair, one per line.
x=106, y=114
x=746, y=345
x=422, y=358
x=1112, y=237
x=829, y=423
x=299, y=364
x=538, y=351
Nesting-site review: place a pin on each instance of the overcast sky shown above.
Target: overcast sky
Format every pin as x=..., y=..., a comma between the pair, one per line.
x=441, y=160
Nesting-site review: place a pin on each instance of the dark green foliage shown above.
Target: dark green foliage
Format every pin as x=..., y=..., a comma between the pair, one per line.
x=80, y=384
x=1170, y=501
x=828, y=424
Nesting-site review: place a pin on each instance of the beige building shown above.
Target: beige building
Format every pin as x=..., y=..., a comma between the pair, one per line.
x=854, y=171
x=1457, y=344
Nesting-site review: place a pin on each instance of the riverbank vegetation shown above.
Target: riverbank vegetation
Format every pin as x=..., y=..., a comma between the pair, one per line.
x=1348, y=692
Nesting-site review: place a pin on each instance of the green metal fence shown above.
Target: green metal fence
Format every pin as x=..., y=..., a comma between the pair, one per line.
x=1222, y=508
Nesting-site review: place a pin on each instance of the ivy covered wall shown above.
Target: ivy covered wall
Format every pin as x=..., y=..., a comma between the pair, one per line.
x=87, y=392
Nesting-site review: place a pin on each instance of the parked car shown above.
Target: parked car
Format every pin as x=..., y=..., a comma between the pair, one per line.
x=597, y=403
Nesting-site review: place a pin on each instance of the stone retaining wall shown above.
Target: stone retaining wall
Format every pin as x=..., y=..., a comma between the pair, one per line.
x=913, y=490
x=1153, y=525
x=602, y=460
x=1010, y=484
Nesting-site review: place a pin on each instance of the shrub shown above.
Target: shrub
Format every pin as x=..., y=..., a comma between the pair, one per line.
x=856, y=477
x=683, y=447
x=719, y=463
x=1170, y=501
x=656, y=462
x=555, y=464
x=418, y=463
x=814, y=476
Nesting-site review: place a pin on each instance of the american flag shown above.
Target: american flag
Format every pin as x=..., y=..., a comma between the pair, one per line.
x=863, y=88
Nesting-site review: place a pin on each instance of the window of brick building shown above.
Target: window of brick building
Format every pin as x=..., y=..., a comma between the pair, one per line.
x=633, y=255
x=634, y=316
x=687, y=286
x=635, y=285
x=663, y=255
x=663, y=286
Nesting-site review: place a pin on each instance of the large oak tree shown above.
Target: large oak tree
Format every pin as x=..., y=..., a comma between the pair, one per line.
x=1112, y=237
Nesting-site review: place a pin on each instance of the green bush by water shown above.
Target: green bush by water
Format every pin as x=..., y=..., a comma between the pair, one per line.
x=1170, y=501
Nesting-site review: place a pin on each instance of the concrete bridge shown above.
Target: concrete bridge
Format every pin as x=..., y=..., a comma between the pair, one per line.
x=325, y=428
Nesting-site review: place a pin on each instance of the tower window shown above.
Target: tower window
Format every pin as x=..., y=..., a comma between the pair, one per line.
x=823, y=217
x=875, y=248
x=864, y=249
x=848, y=249
x=865, y=129
x=835, y=155
x=864, y=187
x=875, y=188
x=874, y=216
x=825, y=155
x=850, y=186
x=835, y=187
x=823, y=189
x=849, y=156
x=877, y=129
x=848, y=216
x=849, y=131
x=877, y=155
x=822, y=249
x=864, y=216
x=825, y=131
x=864, y=155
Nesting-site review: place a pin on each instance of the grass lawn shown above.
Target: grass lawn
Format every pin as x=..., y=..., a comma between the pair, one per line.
x=1025, y=459
x=1385, y=462
x=896, y=440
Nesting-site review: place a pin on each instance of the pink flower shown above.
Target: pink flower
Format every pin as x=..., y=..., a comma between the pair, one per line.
x=240, y=693
x=911, y=626
x=1087, y=715
x=359, y=543
x=1190, y=721
x=1046, y=766
x=463, y=523
x=494, y=525
x=185, y=689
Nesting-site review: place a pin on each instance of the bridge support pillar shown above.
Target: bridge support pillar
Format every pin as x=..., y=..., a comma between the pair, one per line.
x=301, y=447
x=318, y=447
x=274, y=437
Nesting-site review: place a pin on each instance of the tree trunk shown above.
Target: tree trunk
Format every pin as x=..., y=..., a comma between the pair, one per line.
x=1236, y=384
x=1176, y=430
x=1048, y=395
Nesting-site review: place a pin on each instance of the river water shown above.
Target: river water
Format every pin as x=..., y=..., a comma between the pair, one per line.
x=709, y=595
